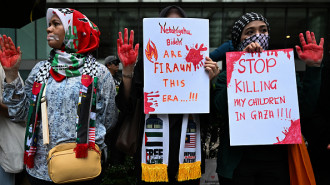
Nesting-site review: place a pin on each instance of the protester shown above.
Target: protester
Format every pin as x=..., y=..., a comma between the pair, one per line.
x=131, y=90
x=316, y=129
x=69, y=71
x=112, y=63
x=262, y=164
x=11, y=144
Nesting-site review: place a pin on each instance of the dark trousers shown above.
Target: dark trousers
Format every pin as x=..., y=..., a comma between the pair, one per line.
x=322, y=177
x=224, y=180
x=258, y=172
x=36, y=181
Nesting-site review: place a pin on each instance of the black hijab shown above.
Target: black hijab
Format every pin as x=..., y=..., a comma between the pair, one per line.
x=172, y=8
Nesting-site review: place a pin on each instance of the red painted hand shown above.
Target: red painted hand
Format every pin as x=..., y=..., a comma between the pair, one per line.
x=126, y=53
x=9, y=55
x=312, y=53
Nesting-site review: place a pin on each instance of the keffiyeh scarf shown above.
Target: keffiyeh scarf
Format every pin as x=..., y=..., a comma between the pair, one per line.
x=82, y=38
x=262, y=39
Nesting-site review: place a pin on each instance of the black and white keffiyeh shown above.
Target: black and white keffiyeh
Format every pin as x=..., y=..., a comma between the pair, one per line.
x=262, y=39
x=241, y=23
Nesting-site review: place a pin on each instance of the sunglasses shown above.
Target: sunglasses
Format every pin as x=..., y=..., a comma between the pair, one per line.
x=116, y=62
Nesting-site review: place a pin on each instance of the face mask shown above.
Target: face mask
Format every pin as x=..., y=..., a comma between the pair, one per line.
x=262, y=39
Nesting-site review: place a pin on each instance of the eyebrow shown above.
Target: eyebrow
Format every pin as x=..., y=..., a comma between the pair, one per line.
x=252, y=27
x=249, y=28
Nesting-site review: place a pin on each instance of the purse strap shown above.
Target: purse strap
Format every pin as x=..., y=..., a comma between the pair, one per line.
x=44, y=117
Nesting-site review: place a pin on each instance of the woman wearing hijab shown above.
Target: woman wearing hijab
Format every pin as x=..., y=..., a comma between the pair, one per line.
x=69, y=73
x=268, y=164
x=130, y=91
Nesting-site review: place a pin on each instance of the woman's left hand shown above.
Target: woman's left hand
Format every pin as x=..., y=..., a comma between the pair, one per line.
x=211, y=67
x=312, y=53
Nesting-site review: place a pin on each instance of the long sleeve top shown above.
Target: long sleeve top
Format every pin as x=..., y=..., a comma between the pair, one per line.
x=62, y=101
x=220, y=53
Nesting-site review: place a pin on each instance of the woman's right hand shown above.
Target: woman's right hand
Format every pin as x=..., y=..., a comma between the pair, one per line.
x=10, y=58
x=127, y=55
x=253, y=47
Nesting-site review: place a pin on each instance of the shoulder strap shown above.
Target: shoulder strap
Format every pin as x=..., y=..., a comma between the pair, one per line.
x=44, y=116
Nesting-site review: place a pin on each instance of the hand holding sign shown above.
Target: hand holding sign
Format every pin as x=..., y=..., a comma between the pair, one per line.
x=126, y=53
x=10, y=58
x=253, y=47
x=312, y=53
x=211, y=67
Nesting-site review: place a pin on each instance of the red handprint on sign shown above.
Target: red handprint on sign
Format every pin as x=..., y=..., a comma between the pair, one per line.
x=194, y=55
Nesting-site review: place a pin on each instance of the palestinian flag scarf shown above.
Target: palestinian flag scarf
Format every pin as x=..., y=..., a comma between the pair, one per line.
x=72, y=60
x=155, y=149
x=85, y=122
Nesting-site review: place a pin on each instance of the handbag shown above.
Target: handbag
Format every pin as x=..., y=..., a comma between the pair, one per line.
x=11, y=140
x=128, y=136
x=64, y=167
x=11, y=145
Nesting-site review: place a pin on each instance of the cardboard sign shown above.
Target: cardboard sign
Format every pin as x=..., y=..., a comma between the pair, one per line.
x=262, y=98
x=210, y=177
x=175, y=80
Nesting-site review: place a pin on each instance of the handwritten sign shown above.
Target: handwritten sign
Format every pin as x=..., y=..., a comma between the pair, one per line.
x=262, y=98
x=175, y=80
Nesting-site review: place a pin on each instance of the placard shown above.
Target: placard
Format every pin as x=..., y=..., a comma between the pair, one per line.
x=175, y=81
x=262, y=98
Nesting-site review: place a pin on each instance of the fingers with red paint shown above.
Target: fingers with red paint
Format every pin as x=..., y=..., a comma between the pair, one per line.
x=302, y=39
x=10, y=58
x=131, y=38
x=211, y=68
x=310, y=53
x=308, y=37
x=9, y=54
x=125, y=35
x=127, y=55
x=313, y=38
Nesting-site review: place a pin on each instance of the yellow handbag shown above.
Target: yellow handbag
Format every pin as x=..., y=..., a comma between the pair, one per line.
x=64, y=167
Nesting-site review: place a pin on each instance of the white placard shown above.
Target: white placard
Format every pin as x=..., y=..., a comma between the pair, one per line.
x=262, y=98
x=175, y=80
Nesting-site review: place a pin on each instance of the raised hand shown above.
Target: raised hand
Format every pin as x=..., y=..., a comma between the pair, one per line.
x=10, y=58
x=311, y=53
x=127, y=55
x=9, y=54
